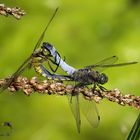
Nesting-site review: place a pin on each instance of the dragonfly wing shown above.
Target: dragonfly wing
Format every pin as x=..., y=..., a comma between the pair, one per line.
x=24, y=65
x=74, y=105
x=109, y=62
x=119, y=64
x=101, y=65
x=43, y=33
x=90, y=111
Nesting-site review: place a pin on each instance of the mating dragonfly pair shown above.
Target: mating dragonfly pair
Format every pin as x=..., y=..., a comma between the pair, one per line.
x=85, y=76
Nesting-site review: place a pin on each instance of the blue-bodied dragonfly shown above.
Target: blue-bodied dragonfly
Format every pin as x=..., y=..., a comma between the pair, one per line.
x=85, y=76
x=35, y=60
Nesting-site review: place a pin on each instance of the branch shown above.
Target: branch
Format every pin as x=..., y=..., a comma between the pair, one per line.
x=15, y=11
x=33, y=85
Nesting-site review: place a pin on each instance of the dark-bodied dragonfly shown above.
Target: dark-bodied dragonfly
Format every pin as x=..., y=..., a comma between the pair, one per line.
x=85, y=76
x=38, y=56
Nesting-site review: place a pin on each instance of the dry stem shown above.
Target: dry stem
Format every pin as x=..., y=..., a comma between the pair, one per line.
x=15, y=11
x=33, y=85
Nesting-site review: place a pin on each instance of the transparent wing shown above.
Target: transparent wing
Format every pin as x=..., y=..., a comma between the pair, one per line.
x=118, y=65
x=43, y=33
x=90, y=111
x=74, y=105
x=24, y=65
x=108, y=62
x=101, y=65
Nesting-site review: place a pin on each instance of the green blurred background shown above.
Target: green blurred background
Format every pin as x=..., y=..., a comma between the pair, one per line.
x=85, y=32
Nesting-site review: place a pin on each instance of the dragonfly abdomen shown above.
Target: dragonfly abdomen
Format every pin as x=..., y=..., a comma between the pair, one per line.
x=36, y=64
x=41, y=70
x=59, y=61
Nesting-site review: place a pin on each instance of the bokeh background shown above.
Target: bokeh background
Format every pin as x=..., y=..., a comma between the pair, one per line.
x=85, y=32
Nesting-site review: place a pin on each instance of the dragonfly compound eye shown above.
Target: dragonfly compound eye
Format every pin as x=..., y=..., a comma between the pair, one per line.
x=47, y=46
x=103, y=79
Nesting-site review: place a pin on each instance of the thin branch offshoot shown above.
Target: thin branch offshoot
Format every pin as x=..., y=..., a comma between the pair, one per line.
x=15, y=11
x=33, y=85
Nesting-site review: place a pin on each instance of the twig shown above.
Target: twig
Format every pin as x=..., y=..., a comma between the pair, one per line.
x=15, y=11
x=32, y=85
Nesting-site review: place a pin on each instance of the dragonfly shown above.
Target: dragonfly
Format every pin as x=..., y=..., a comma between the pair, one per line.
x=89, y=75
x=35, y=60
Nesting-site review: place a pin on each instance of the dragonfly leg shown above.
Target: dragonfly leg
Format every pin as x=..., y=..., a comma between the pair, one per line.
x=71, y=99
x=76, y=86
x=48, y=59
x=94, y=87
x=56, y=63
x=53, y=70
x=79, y=85
x=102, y=88
x=64, y=59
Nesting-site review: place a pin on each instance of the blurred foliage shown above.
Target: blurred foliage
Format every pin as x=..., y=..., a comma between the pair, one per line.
x=85, y=32
x=135, y=131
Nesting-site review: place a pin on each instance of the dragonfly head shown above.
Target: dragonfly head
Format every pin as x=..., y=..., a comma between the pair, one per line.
x=102, y=79
x=48, y=48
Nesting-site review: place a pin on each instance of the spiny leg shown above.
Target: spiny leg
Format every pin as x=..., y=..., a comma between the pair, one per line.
x=102, y=88
x=94, y=87
x=53, y=70
x=57, y=64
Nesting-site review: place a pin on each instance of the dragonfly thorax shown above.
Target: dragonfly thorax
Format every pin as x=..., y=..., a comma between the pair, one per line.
x=87, y=77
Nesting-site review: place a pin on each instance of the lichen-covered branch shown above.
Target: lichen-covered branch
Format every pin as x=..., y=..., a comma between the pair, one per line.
x=15, y=11
x=33, y=85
